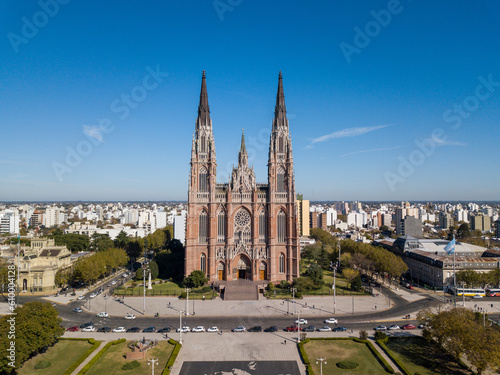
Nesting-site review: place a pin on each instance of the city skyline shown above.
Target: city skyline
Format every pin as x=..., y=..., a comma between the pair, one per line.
x=387, y=101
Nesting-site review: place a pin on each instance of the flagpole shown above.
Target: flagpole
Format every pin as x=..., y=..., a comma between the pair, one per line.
x=454, y=279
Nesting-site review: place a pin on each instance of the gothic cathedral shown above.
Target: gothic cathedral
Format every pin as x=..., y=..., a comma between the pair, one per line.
x=242, y=229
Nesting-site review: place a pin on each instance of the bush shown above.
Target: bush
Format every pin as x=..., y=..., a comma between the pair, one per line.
x=131, y=365
x=173, y=356
x=348, y=365
x=42, y=364
x=379, y=335
x=363, y=335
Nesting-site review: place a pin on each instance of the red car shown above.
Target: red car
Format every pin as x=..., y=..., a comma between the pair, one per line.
x=292, y=328
x=408, y=326
x=72, y=329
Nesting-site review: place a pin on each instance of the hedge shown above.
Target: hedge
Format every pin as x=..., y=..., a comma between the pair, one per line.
x=384, y=347
x=99, y=355
x=305, y=358
x=95, y=345
x=173, y=356
x=381, y=359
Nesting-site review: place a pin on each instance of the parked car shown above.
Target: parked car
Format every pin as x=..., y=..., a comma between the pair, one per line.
x=271, y=329
x=119, y=330
x=239, y=329
x=421, y=326
x=213, y=329
x=88, y=329
x=183, y=329
x=380, y=328
x=72, y=329
x=80, y=297
x=134, y=329
x=325, y=329
x=164, y=330
x=129, y=316
x=309, y=329
x=78, y=310
x=104, y=329
x=292, y=328
x=330, y=321
x=301, y=321
x=86, y=324
x=255, y=329
x=393, y=327
x=149, y=330
x=103, y=315
x=198, y=329
x=408, y=326
x=339, y=329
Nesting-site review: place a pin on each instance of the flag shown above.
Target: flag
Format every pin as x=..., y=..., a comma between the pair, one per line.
x=450, y=248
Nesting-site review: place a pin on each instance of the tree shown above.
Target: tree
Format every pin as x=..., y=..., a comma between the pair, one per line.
x=37, y=327
x=357, y=284
x=74, y=242
x=121, y=240
x=463, y=231
x=349, y=274
x=134, y=249
x=196, y=279
x=100, y=242
x=315, y=273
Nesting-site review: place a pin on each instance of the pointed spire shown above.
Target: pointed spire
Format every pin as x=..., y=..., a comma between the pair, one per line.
x=203, y=108
x=243, y=156
x=280, y=109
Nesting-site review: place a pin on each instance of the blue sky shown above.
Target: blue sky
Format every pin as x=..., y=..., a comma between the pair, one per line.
x=386, y=100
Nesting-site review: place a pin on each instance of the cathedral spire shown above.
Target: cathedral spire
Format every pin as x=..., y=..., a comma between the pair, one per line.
x=243, y=155
x=280, y=109
x=203, y=108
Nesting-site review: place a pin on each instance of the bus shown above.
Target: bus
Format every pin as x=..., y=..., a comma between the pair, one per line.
x=493, y=292
x=470, y=292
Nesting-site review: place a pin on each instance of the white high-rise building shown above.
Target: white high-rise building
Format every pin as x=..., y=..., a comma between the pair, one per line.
x=9, y=222
x=331, y=216
x=180, y=226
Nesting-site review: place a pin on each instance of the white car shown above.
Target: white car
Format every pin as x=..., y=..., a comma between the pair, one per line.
x=477, y=296
x=119, y=330
x=301, y=321
x=103, y=315
x=93, y=295
x=80, y=298
x=213, y=329
x=330, y=321
x=113, y=282
x=183, y=329
x=88, y=329
x=325, y=329
x=198, y=329
x=129, y=316
x=239, y=329
x=394, y=326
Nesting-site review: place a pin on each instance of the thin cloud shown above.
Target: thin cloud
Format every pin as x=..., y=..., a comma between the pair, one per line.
x=16, y=162
x=348, y=132
x=371, y=150
x=450, y=143
x=94, y=132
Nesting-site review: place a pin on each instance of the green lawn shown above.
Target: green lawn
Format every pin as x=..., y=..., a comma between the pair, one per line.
x=114, y=358
x=419, y=355
x=61, y=356
x=340, y=350
x=166, y=289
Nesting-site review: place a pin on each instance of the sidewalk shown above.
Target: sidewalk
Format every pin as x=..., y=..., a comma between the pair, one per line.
x=87, y=360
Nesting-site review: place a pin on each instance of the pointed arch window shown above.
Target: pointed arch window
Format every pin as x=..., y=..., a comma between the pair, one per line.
x=203, y=263
x=203, y=144
x=203, y=180
x=281, y=226
x=282, y=263
x=280, y=181
x=262, y=226
x=221, y=226
x=281, y=144
x=203, y=227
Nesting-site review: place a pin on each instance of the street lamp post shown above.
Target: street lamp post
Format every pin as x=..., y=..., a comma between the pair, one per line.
x=321, y=361
x=334, y=291
x=144, y=276
x=187, y=301
x=293, y=299
x=298, y=326
x=180, y=326
x=152, y=363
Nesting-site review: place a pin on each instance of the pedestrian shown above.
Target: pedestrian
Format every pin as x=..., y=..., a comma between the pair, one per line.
x=375, y=307
x=285, y=341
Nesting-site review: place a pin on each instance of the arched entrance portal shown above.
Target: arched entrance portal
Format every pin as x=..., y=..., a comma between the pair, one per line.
x=243, y=267
x=262, y=271
x=25, y=285
x=220, y=271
